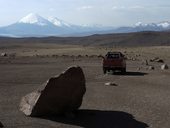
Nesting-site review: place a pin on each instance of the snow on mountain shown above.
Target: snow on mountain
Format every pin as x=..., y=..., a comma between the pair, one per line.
x=34, y=19
x=58, y=22
x=165, y=24
x=140, y=24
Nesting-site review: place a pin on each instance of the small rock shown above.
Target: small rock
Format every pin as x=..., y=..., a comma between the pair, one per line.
x=110, y=84
x=55, y=55
x=100, y=56
x=138, y=69
x=164, y=67
x=146, y=62
x=86, y=55
x=3, y=54
x=151, y=68
x=160, y=61
x=134, y=59
x=13, y=55
x=79, y=56
x=156, y=59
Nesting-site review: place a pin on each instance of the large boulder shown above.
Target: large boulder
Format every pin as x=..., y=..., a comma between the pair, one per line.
x=60, y=95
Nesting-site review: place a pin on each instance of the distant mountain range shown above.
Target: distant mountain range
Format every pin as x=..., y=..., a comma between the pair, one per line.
x=139, y=27
x=34, y=25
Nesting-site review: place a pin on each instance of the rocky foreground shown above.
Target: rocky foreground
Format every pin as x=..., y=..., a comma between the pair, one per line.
x=138, y=99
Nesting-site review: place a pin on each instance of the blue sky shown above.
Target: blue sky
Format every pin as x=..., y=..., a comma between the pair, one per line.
x=105, y=12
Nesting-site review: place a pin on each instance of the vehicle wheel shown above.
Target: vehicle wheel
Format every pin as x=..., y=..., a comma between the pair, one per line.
x=113, y=72
x=123, y=70
x=104, y=70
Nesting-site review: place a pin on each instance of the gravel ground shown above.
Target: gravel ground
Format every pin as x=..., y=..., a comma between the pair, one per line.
x=141, y=98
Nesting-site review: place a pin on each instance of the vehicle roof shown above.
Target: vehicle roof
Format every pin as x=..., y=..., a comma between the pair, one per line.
x=114, y=52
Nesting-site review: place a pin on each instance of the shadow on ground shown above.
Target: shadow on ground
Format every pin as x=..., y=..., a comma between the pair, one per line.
x=100, y=119
x=130, y=73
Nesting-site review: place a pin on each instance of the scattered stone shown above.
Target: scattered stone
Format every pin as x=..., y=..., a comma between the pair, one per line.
x=79, y=56
x=93, y=56
x=145, y=62
x=156, y=59
x=160, y=61
x=164, y=67
x=54, y=55
x=61, y=94
x=110, y=84
x=1, y=125
x=4, y=54
x=129, y=58
x=86, y=55
x=138, y=69
x=100, y=56
x=134, y=59
x=64, y=55
x=13, y=55
x=151, y=67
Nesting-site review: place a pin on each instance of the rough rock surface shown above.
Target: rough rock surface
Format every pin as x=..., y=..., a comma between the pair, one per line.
x=61, y=94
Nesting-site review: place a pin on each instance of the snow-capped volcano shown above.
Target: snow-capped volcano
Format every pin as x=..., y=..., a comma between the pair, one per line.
x=35, y=25
x=34, y=19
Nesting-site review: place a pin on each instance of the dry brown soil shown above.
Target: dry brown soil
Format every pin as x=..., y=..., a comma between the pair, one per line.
x=141, y=98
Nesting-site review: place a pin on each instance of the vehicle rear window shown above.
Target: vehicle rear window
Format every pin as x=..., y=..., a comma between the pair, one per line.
x=113, y=56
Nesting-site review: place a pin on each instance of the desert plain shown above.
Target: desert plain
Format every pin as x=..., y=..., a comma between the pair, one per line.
x=138, y=99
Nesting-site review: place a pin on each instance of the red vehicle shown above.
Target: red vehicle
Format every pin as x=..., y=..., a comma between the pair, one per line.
x=114, y=61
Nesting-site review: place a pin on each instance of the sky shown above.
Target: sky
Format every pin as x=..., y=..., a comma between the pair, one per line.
x=81, y=12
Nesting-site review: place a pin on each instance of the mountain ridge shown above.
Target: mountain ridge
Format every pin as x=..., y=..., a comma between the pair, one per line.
x=34, y=25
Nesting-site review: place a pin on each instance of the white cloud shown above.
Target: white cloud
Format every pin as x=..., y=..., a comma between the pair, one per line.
x=136, y=7
x=126, y=7
x=118, y=7
x=85, y=7
x=52, y=9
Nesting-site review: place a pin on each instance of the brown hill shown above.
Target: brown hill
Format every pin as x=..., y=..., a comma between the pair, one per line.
x=125, y=39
